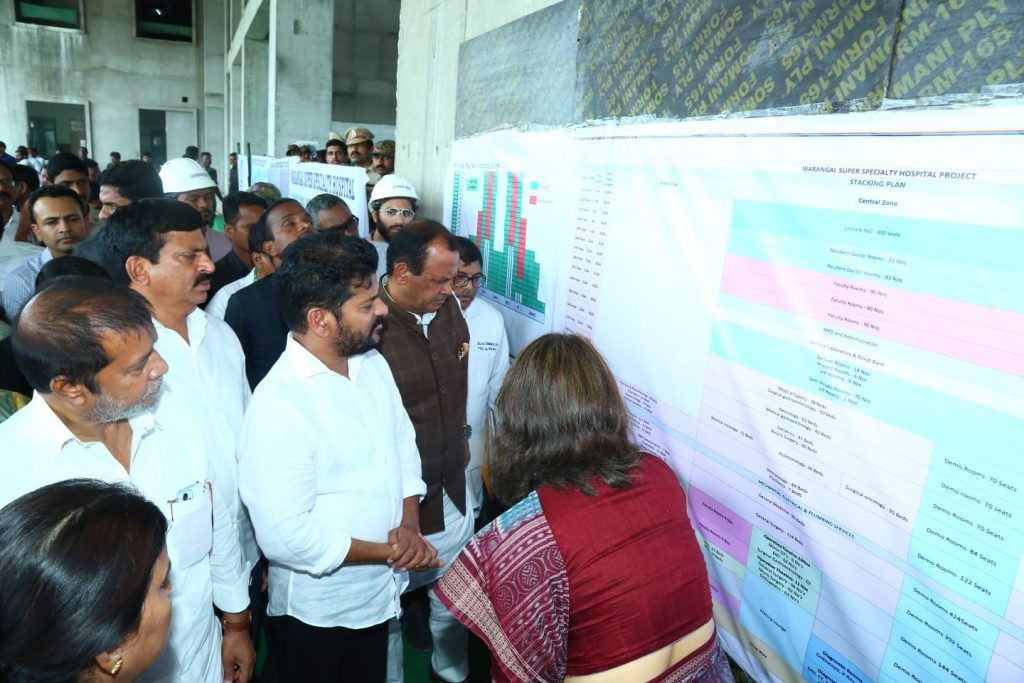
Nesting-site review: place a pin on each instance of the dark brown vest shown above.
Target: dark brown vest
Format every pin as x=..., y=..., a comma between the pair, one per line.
x=431, y=376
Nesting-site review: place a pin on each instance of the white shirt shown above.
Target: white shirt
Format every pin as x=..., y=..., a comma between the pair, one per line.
x=488, y=363
x=219, y=304
x=166, y=459
x=206, y=378
x=35, y=163
x=382, y=258
x=324, y=459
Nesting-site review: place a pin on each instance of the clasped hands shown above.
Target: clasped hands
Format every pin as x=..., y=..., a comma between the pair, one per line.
x=411, y=551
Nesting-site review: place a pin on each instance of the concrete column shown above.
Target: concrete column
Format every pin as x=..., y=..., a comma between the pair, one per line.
x=213, y=47
x=235, y=81
x=299, y=89
x=255, y=86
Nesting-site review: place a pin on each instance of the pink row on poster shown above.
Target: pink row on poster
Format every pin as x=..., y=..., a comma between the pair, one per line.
x=977, y=334
x=720, y=525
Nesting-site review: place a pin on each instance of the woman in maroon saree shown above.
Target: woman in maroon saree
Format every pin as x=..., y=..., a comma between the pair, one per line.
x=594, y=574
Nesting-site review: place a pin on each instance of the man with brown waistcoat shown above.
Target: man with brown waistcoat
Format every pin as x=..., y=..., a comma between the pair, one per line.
x=426, y=344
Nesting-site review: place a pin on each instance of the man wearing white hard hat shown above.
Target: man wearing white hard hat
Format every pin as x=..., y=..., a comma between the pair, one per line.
x=392, y=205
x=186, y=181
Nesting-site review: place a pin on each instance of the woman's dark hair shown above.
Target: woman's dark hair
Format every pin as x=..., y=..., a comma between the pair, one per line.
x=560, y=420
x=76, y=563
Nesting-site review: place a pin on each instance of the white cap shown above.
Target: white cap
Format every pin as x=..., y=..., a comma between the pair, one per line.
x=391, y=186
x=184, y=175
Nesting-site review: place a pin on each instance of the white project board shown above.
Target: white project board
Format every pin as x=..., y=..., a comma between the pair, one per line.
x=819, y=322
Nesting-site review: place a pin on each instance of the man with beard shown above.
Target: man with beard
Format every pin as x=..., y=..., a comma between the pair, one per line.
x=254, y=312
x=384, y=157
x=164, y=258
x=87, y=347
x=426, y=344
x=334, y=497
x=58, y=221
x=186, y=181
x=392, y=206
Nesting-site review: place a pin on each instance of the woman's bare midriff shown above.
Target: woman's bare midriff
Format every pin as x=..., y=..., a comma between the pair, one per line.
x=654, y=664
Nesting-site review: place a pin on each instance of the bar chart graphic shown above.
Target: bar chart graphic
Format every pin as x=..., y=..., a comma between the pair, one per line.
x=493, y=208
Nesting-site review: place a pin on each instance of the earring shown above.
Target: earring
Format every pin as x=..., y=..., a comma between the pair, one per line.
x=117, y=667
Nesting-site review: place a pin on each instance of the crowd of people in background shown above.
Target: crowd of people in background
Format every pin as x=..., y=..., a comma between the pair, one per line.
x=298, y=411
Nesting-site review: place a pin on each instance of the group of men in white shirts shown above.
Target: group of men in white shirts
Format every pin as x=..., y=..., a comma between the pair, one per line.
x=317, y=470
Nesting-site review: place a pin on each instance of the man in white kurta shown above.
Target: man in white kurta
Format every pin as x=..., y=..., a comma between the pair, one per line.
x=488, y=358
x=99, y=424
x=166, y=259
x=330, y=472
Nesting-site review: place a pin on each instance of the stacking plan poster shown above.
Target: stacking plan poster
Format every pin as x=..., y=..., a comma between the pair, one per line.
x=818, y=321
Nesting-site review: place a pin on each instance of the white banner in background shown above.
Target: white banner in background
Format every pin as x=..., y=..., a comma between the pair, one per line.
x=347, y=182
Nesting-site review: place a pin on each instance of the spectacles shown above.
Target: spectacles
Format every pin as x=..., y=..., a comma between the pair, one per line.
x=392, y=212
x=351, y=224
x=7, y=181
x=378, y=155
x=461, y=280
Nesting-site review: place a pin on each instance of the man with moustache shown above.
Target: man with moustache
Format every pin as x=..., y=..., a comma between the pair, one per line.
x=186, y=181
x=334, y=497
x=165, y=259
x=335, y=152
x=87, y=346
x=58, y=221
x=384, y=157
x=426, y=344
x=254, y=312
x=359, y=143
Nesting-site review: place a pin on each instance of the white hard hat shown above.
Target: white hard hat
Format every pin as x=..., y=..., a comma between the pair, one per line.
x=391, y=186
x=184, y=175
